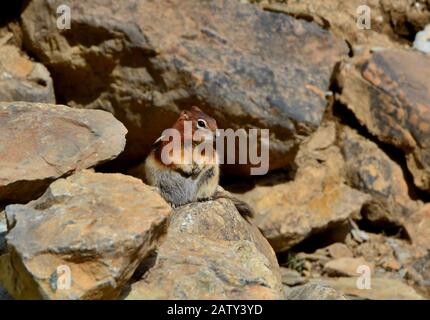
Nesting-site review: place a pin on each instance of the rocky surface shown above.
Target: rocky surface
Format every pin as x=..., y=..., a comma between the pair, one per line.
x=41, y=142
x=98, y=226
x=389, y=93
x=348, y=114
x=22, y=79
x=372, y=171
x=146, y=60
x=314, y=291
x=288, y=212
x=418, y=227
x=211, y=252
x=381, y=289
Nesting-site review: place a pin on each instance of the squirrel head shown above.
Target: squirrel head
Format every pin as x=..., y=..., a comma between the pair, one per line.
x=205, y=125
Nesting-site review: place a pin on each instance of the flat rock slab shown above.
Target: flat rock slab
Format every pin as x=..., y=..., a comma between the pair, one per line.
x=94, y=227
x=42, y=142
x=22, y=79
x=146, y=60
x=381, y=289
x=346, y=266
x=389, y=93
x=211, y=252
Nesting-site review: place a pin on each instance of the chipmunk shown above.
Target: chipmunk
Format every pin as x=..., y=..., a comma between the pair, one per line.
x=181, y=182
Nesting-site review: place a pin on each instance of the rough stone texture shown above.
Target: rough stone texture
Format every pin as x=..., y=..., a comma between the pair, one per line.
x=314, y=291
x=381, y=289
x=340, y=18
x=370, y=170
x=389, y=93
x=418, y=227
x=101, y=226
x=146, y=60
x=407, y=17
x=42, y=142
x=289, y=212
x=339, y=250
x=346, y=266
x=22, y=79
x=211, y=252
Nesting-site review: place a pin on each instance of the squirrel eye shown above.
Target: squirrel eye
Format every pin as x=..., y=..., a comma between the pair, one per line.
x=201, y=123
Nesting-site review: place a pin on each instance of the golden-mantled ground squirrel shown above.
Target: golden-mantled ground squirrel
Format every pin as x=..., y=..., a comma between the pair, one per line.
x=188, y=176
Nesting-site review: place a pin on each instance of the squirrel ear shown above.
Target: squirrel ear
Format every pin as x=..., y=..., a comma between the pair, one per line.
x=184, y=115
x=196, y=109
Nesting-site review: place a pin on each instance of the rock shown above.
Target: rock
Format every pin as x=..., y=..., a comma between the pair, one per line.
x=418, y=227
x=422, y=40
x=288, y=212
x=96, y=227
x=314, y=291
x=211, y=252
x=291, y=277
x=41, y=142
x=389, y=93
x=407, y=17
x=346, y=266
x=370, y=170
x=340, y=18
x=146, y=60
x=22, y=79
x=381, y=289
x=339, y=250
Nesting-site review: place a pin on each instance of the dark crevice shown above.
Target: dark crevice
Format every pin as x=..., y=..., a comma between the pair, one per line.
x=389, y=230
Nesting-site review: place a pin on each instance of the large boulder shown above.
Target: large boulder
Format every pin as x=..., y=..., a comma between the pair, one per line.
x=389, y=93
x=287, y=212
x=41, y=142
x=146, y=60
x=211, y=252
x=94, y=227
x=371, y=170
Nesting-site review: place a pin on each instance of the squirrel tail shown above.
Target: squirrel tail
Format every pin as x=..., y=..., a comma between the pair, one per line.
x=244, y=208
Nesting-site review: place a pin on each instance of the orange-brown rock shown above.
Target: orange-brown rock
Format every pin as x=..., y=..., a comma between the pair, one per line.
x=418, y=227
x=370, y=170
x=94, y=227
x=41, y=142
x=288, y=212
x=389, y=93
x=211, y=252
x=22, y=79
x=381, y=289
x=346, y=266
